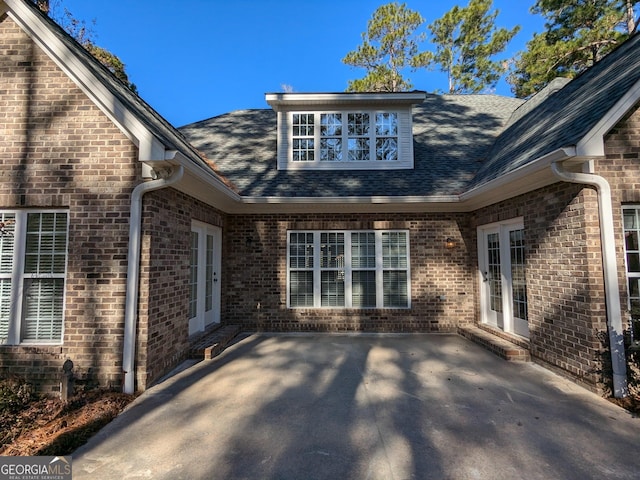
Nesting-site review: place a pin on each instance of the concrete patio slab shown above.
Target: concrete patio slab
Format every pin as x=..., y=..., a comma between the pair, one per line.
x=364, y=407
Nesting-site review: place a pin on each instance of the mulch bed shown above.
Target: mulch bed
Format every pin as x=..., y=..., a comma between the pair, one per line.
x=52, y=427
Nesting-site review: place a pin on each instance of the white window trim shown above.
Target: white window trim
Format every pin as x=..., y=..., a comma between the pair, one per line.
x=18, y=276
x=348, y=270
x=204, y=317
x=502, y=228
x=404, y=138
x=628, y=275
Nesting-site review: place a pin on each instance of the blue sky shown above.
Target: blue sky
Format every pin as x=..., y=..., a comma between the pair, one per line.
x=195, y=59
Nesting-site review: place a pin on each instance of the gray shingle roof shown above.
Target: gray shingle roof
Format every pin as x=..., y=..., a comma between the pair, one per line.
x=451, y=135
x=565, y=117
x=460, y=141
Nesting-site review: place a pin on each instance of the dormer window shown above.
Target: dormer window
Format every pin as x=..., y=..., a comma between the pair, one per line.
x=344, y=137
x=345, y=131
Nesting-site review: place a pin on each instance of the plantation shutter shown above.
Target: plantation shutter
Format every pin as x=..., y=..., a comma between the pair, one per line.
x=395, y=264
x=44, y=268
x=7, y=245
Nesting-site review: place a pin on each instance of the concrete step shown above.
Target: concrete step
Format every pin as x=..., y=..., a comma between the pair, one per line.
x=213, y=342
x=508, y=347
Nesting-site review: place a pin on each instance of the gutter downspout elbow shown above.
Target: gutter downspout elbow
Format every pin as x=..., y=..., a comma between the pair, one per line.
x=609, y=264
x=133, y=271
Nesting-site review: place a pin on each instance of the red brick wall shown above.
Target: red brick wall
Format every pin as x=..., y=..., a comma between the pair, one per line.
x=59, y=150
x=163, y=326
x=256, y=275
x=567, y=309
x=621, y=168
x=565, y=288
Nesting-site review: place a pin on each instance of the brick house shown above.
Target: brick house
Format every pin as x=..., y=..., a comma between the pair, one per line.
x=123, y=239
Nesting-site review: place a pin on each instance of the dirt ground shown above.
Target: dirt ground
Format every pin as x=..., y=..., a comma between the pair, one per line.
x=51, y=427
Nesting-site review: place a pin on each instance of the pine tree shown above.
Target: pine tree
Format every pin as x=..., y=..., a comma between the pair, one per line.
x=84, y=36
x=389, y=45
x=467, y=41
x=578, y=34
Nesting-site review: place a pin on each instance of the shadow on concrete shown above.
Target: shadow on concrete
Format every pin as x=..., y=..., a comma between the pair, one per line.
x=364, y=406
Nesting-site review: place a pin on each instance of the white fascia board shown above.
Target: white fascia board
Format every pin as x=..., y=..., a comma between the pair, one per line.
x=131, y=126
x=524, y=179
x=348, y=200
x=279, y=101
x=376, y=204
x=202, y=173
x=592, y=144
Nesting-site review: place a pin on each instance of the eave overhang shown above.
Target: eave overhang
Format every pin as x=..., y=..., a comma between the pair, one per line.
x=208, y=188
x=81, y=75
x=535, y=175
x=155, y=149
x=201, y=182
x=289, y=101
x=592, y=144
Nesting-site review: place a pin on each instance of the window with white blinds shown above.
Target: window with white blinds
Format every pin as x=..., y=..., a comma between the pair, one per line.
x=348, y=269
x=33, y=262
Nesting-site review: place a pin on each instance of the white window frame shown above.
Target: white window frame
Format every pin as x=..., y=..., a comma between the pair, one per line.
x=403, y=159
x=348, y=269
x=18, y=278
x=631, y=300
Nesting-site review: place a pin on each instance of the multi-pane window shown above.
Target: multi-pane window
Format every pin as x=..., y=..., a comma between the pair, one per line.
x=204, y=289
x=350, y=269
x=344, y=137
x=33, y=262
x=303, y=129
x=494, y=270
x=395, y=265
x=386, y=136
x=363, y=264
x=632, y=251
x=301, y=267
x=518, y=279
x=193, y=274
x=358, y=137
x=330, y=137
x=332, y=269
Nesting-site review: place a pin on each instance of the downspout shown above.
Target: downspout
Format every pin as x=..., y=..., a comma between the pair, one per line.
x=133, y=271
x=612, y=289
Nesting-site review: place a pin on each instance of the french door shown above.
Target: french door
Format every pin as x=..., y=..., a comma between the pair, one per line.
x=204, y=282
x=503, y=287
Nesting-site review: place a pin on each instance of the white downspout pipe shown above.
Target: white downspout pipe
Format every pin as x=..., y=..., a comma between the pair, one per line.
x=133, y=271
x=612, y=290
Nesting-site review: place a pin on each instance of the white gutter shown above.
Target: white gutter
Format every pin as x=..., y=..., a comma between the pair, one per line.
x=375, y=200
x=609, y=264
x=518, y=174
x=133, y=270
